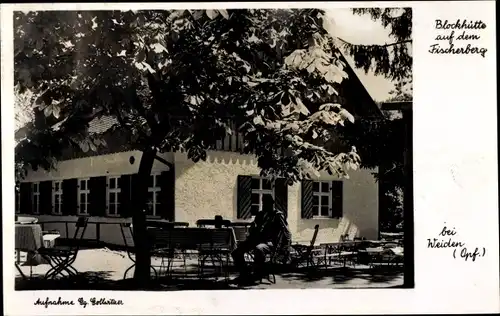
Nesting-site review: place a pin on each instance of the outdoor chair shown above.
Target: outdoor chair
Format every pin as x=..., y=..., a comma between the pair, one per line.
x=385, y=258
x=216, y=247
x=391, y=244
x=241, y=231
x=303, y=255
x=330, y=252
x=127, y=227
x=61, y=258
x=342, y=253
x=163, y=247
x=273, y=260
x=216, y=222
x=401, y=242
x=348, y=253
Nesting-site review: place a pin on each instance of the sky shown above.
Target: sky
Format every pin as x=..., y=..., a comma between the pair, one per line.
x=357, y=29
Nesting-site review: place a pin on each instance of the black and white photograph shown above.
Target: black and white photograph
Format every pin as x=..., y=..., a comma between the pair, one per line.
x=171, y=150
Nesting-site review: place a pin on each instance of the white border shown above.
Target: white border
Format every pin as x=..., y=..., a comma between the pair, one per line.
x=455, y=181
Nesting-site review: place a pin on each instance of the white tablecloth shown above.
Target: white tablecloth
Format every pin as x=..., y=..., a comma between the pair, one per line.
x=28, y=237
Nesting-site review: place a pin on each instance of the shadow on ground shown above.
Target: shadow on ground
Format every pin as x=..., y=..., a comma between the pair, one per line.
x=343, y=275
x=102, y=281
x=83, y=281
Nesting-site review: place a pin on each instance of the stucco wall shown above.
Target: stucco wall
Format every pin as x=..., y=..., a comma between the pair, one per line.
x=208, y=188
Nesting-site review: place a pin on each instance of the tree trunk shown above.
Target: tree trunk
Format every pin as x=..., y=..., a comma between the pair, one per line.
x=139, y=200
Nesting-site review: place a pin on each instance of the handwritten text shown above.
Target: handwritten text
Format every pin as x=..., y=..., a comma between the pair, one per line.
x=94, y=301
x=447, y=42
x=447, y=238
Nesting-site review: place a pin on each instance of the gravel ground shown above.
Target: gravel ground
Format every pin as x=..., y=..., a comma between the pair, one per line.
x=104, y=269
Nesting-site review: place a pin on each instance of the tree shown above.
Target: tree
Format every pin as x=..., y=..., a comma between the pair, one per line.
x=394, y=59
x=381, y=142
x=178, y=80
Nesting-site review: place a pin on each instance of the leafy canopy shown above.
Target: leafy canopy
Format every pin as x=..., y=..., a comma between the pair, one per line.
x=179, y=79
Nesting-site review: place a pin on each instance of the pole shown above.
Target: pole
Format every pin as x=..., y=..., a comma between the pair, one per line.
x=409, y=236
x=408, y=213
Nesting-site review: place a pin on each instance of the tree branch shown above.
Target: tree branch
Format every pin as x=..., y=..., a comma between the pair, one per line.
x=160, y=159
x=383, y=45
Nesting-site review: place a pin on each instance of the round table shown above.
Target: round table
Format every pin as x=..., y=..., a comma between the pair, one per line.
x=22, y=220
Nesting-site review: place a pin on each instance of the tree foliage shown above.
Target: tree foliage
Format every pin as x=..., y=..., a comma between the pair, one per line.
x=394, y=59
x=403, y=91
x=177, y=80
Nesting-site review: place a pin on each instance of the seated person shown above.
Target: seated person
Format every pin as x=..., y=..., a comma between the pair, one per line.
x=269, y=232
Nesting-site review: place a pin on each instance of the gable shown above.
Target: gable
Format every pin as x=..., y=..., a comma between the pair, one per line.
x=355, y=98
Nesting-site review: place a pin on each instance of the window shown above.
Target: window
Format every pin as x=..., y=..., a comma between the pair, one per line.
x=260, y=188
x=35, y=197
x=322, y=199
x=113, y=195
x=153, y=195
x=83, y=196
x=57, y=197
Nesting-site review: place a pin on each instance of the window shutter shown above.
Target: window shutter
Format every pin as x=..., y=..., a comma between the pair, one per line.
x=244, y=197
x=166, y=209
x=281, y=196
x=97, y=196
x=26, y=205
x=45, y=197
x=69, y=197
x=307, y=199
x=126, y=195
x=337, y=199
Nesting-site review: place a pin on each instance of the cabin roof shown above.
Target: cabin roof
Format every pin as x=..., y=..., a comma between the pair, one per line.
x=360, y=102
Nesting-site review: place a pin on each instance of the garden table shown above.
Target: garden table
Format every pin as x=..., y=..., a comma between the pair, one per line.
x=30, y=238
x=398, y=251
x=26, y=220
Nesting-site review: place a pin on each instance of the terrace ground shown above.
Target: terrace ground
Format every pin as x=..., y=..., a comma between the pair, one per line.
x=103, y=269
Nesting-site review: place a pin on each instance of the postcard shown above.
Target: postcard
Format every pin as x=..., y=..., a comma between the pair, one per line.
x=249, y=158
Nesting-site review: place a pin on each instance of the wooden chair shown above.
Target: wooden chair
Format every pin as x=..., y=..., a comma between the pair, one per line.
x=124, y=227
x=348, y=253
x=391, y=244
x=303, y=254
x=212, y=245
x=216, y=247
x=241, y=233
x=385, y=258
x=164, y=243
x=330, y=253
x=272, y=261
